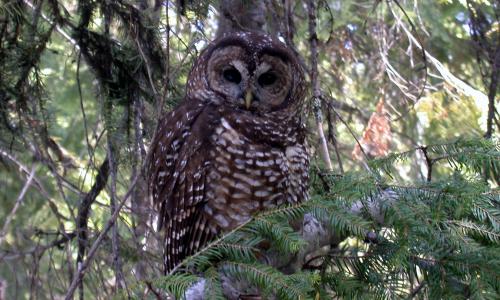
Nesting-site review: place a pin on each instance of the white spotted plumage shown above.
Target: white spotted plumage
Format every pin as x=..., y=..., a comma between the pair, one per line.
x=214, y=164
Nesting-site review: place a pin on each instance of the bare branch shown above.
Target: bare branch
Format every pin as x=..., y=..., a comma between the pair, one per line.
x=18, y=202
x=313, y=41
x=82, y=267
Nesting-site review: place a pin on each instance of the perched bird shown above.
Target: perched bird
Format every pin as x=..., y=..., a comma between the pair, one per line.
x=233, y=147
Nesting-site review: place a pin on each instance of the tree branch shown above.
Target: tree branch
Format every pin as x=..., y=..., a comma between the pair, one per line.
x=313, y=42
x=19, y=199
x=82, y=267
x=84, y=211
x=319, y=241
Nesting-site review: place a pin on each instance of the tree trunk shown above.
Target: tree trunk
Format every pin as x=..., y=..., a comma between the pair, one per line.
x=242, y=15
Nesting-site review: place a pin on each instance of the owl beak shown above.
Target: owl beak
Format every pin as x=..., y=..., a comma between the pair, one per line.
x=248, y=99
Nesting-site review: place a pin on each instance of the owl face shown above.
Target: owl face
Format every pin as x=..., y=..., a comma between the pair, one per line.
x=248, y=71
x=254, y=83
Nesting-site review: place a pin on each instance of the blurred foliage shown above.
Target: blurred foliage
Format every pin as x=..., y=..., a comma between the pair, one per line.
x=83, y=81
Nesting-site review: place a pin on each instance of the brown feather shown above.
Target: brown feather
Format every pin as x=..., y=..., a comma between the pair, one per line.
x=214, y=165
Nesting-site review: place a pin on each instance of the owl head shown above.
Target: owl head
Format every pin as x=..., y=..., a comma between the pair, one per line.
x=250, y=72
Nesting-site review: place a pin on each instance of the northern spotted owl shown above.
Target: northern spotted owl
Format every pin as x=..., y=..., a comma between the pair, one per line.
x=233, y=147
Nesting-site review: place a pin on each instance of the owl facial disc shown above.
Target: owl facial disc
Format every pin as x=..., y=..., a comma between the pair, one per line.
x=252, y=81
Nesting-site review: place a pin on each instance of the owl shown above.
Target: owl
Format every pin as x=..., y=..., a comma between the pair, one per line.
x=233, y=147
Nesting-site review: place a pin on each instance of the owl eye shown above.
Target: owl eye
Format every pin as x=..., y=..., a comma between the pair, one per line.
x=232, y=75
x=267, y=79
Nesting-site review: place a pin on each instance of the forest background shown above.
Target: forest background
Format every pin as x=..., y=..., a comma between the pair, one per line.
x=403, y=96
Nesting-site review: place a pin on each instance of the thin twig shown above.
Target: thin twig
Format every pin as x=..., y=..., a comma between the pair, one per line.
x=355, y=138
x=444, y=72
x=332, y=137
x=18, y=202
x=161, y=102
x=58, y=29
x=313, y=41
x=422, y=49
x=66, y=237
x=84, y=116
x=82, y=267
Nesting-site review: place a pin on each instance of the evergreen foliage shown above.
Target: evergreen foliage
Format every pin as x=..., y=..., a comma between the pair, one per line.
x=438, y=240
x=83, y=82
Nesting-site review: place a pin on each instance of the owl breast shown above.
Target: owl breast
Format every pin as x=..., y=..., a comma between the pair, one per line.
x=247, y=177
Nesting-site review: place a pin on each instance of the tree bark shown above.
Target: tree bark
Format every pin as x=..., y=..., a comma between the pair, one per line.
x=241, y=15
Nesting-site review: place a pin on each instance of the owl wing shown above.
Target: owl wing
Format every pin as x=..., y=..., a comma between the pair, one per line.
x=178, y=180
